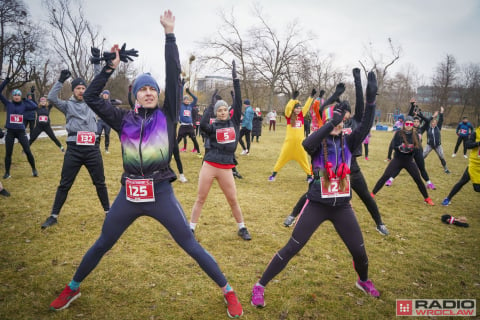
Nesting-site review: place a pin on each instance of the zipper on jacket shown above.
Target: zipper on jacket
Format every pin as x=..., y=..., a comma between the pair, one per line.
x=336, y=165
x=140, y=144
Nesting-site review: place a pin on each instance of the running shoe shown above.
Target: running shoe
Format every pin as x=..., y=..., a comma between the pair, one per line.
x=258, y=299
x=366, y=158
x=49, y=222
x=5, y=193
x=465, y=156
x=453, y=155
x=271, y=178
x=62, y=149
x=65, y=298
x=243, y=233
x=446, y=202
x=289, y=220
x=429, y=201
x=182, y=178
x=237, y=175
x=382, y=229
x=183, y=150
x=388, y=183
x=7, y=175
x=194, y=150
x=34, y=173
x=431, y=186
x=368, y=288
x=234, y=308
x=447, y=171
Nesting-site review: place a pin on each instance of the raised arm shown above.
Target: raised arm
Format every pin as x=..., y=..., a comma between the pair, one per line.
x=334, y=97
x=359, y=102
x=237, y=96
x=2, y=86
x=57, y=87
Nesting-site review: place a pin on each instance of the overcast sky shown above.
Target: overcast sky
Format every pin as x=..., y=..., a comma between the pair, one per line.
x=427, y=30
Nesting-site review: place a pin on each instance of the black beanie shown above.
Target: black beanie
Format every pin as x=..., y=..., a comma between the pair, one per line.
x=78, y=82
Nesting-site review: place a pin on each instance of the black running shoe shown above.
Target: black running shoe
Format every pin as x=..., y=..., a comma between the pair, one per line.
x=49, y=222
x=243, y=233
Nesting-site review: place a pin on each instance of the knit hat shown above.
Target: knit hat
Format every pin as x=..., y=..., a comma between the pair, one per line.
x=220, y=103
x=105, y=92
x=16, y=92
x=185, y=97
x=247, y=102
x=143, y=80
x=409, y=118
x=78, y=82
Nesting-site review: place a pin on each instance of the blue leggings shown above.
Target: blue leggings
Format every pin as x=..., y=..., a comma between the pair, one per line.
x=312, y=216
x=165, y=210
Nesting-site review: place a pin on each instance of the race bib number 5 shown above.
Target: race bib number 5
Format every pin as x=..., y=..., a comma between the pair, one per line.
x=16, y=118
x=333, y=190
x=85, y=138
x=139, y=190
x=225, y=135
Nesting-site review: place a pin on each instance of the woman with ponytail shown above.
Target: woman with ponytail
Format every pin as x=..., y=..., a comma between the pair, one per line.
x=329, y=195
x=405, y=142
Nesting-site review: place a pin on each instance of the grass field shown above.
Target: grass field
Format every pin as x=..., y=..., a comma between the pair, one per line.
x=147, y=276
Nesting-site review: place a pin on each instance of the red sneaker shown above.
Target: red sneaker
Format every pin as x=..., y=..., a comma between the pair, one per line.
x=65, y=298
x=234, y=308
x=429, y=201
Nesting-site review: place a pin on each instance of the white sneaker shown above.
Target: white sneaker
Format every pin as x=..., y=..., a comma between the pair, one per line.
x=454, y=155
x=244, y=152
x=465, y=156
x=182, y=178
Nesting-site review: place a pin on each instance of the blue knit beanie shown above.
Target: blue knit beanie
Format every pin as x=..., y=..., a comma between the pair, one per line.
x=143, y=80
x=78, y=82
x=16, y=92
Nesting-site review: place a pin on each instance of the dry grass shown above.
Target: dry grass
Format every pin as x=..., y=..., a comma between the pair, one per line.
x=147, y=276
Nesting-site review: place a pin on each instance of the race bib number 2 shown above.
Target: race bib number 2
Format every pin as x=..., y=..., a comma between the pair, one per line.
x=333, y=190
x=85, y=138
x=139, y=190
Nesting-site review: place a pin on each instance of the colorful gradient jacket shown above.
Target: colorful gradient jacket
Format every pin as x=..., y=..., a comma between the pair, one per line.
x=148, y=135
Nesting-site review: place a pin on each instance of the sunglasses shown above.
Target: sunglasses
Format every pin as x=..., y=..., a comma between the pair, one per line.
x=408, y=124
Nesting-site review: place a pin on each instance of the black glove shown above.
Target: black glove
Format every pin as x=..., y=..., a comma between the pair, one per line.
x=340, y=89
x=322, y=92
x=356, y=73
x=7, y=79
x=295, y=94
x=32, y=89
x=448, y=219
x=95, y=58
x=338, y=113
x=232, y=94
x=234, y=70
x=125, y=55
x=188, y=91
x=214, y=97
x=372, y=87
x=314, y=92
x=64, y=75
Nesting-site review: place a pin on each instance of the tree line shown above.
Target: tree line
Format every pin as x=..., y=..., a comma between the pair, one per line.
x=273, y=64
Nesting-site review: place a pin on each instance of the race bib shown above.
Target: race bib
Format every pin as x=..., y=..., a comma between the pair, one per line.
x=225, y=135
x=42, y=118
x=85, y=138
x=297, y=124
x=197, y=123
x=212, y=120
x=347, y=131
x=333, y=190
x=16, y=118
x=139, y=190
x=187, y=113
x=463, y=131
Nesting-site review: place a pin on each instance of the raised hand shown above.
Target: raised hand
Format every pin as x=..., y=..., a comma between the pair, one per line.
x=95, y=58
x=64, y=75
x=322, y=92
x=338, y=113
x=314, y=92
x=295, y=94
x=168, y=21
x=372, y=87
x=356, y=73
x=234, y=70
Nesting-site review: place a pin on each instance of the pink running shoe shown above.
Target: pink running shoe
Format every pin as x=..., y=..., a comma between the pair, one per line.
x=368, y=288
x=388, y=183
x=194, y=150
x=183, y=150
x=431, y=186
x=258, y=299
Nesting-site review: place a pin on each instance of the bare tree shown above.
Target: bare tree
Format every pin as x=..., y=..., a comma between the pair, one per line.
x=72, y=36
x=443, y=82
x=19, y=38
x=469, y=89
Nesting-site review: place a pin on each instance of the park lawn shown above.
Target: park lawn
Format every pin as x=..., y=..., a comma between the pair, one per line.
x=147, y=276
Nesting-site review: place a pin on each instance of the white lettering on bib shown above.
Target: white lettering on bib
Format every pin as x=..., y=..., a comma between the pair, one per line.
x=139, y=190
x=225, y=135
x=85, y=138
x=16, y=118
x=333, y=190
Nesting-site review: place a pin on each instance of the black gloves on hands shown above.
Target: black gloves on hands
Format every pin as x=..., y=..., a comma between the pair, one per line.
x=314, y=92
x=338, y=113
x=234, y=70
x=64, y=75
x=295, y=94
x=125, y=55
x=372, y=87
x=95, y=58
x=322, y=92
x=214, y=97
x=32, y=89
x=356, y=73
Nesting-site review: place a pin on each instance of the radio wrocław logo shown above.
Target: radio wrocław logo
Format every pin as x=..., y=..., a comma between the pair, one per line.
x=436, y=307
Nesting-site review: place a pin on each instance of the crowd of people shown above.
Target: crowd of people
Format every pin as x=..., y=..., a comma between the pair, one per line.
x=323, y=136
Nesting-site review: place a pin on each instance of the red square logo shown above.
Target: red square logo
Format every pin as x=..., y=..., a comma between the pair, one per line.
x=404, y=308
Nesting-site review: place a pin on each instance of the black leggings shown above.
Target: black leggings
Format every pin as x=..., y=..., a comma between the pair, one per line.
x=459, y=141
x=245, y=132
x=48, y=130
x=359, y=185
x=394, y=167
x=165, y=210
x=463, y=181
x=420, y=161
x=313, y=215
x=176, y=156
x=76, y=157
x=10, y=142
